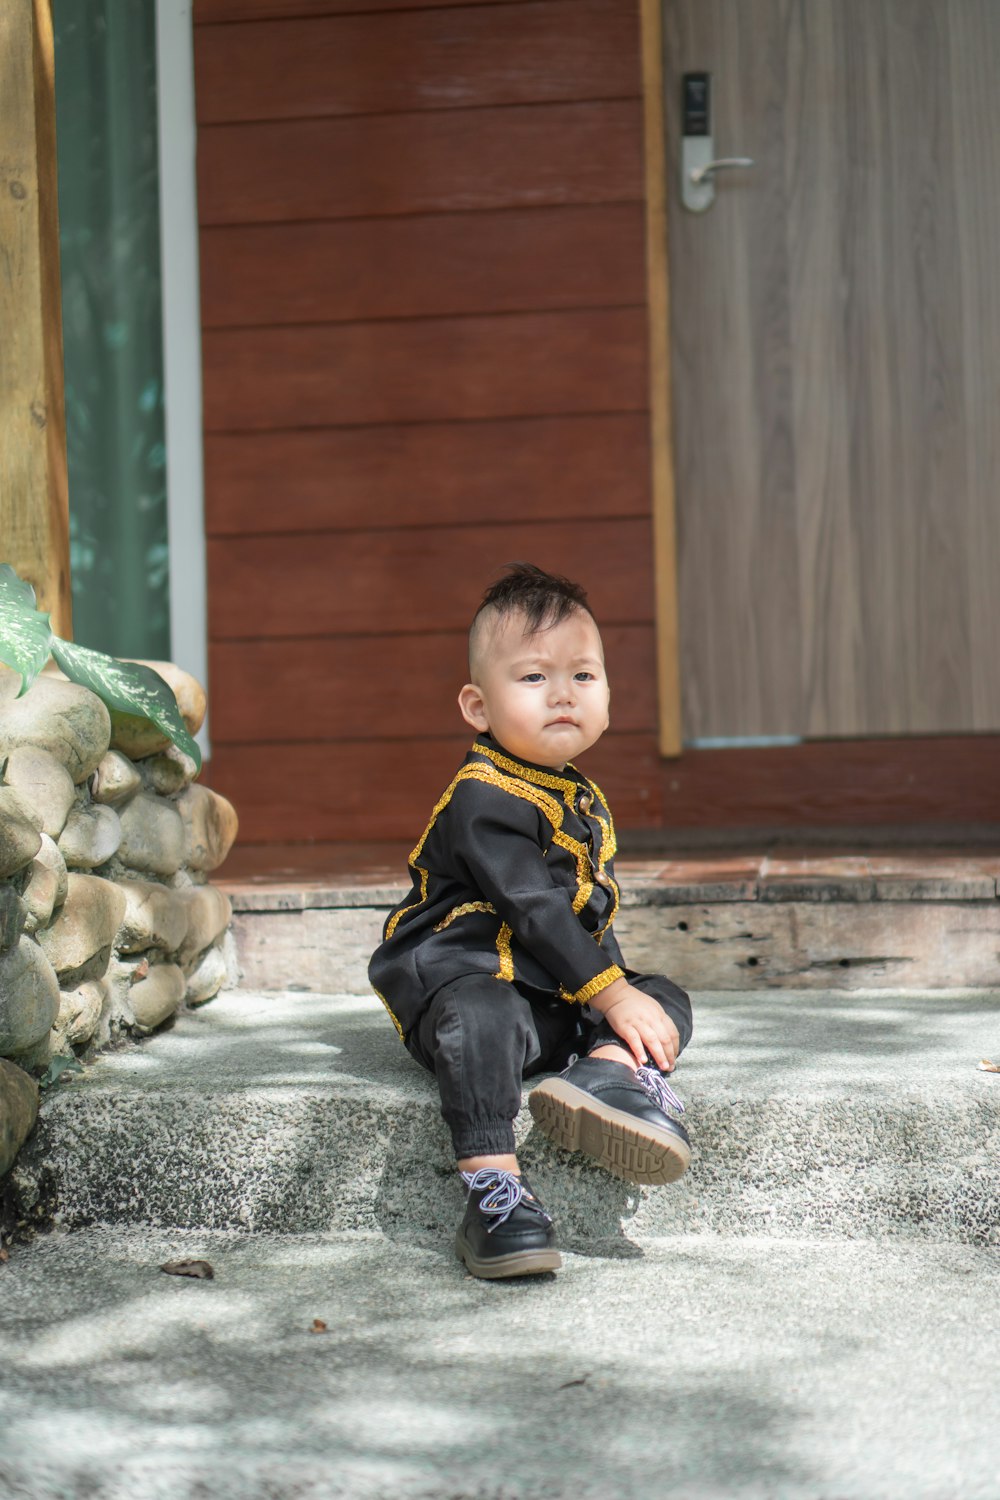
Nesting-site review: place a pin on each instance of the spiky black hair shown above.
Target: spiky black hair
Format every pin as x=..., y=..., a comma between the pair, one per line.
x=542, y=598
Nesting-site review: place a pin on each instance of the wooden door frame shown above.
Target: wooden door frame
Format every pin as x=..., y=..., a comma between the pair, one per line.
x=33, y=475
x=668, y=696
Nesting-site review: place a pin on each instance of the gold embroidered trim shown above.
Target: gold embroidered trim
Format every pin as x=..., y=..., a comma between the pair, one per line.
x=506, y=969
x=614, y=908
x=546, y=804
x=584, y=884
x=597, y=984
x=528, y=773
x=463, y=911
x=609, y=846
x=397, y=917
x=392, y=1018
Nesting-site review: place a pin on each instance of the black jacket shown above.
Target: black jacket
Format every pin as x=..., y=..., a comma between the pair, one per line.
x=513, y=877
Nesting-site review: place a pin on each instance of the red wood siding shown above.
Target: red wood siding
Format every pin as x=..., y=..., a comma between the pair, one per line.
x=423, y=296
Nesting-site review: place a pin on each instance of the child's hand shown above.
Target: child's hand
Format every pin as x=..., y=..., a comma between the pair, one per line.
x=640, y=1023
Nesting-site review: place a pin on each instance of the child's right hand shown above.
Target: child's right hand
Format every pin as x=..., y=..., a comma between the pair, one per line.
x=640, y=1023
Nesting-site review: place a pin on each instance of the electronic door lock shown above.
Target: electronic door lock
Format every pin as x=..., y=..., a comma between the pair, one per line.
x=699, y=163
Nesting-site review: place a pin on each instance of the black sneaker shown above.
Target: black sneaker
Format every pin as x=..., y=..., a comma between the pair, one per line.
x=616, y=1116
x=505, y=1231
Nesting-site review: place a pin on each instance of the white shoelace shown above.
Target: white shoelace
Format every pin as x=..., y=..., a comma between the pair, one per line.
x=658, y=1089
x=505, y=1192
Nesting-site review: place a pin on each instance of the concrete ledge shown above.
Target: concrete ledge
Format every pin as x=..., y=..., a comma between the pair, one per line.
x=723, y=945
x=926, y=920
x=825, y=1114
x=786, y=874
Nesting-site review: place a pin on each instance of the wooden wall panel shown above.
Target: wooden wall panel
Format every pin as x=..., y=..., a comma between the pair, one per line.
x=423, y=266
x=424, y=356
x=385, y=63
x=212, y=11
x=425, y=371
x=339, y=688
x=852, y=784
x=385, y=789
x=420, y=163
x=424, y=579
x=578, y=469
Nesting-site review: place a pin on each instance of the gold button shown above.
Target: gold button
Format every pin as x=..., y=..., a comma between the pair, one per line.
x=602, y=877
x=586, y=802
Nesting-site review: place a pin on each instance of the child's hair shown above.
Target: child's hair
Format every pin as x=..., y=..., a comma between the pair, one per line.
x=544, y=599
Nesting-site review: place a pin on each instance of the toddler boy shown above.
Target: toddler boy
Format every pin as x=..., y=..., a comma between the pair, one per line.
x=501, y=962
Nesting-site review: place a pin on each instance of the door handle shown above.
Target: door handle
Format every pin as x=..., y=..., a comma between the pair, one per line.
x=699, y=165
x=698, y=174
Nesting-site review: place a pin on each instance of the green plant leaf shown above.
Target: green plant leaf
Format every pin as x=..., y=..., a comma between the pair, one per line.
x=129, y=688
x=25, y=634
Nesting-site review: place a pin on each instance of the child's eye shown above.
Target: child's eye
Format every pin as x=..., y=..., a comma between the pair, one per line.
x=533, y=677
x=584, y=677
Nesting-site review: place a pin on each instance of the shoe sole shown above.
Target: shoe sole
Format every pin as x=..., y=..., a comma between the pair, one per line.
x=622, y=1144
x=518, y=1263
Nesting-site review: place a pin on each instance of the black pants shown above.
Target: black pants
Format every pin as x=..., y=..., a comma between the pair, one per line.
x=480, y=1036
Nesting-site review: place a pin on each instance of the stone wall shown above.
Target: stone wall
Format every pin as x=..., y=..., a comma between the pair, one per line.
x=108, y=923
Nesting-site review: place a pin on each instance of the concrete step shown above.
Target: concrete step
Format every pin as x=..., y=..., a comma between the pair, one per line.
x=704, y=1368
x=825, y=1114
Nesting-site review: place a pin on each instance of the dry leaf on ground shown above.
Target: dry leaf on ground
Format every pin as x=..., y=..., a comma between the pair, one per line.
x=200, y=1269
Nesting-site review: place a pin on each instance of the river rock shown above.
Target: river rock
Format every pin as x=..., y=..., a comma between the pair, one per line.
x=80, y=1011
x=155, y=998
x=91, y=836
x=210, y=827
x=47, y=885
x=115, y=780
x=78, y=944
x=29, y=997
x=169, y=772
x=136, y=737
x=207, y=977
x=55, y=715
x=18, y=1111
x=152, y=836
x=44, y=783
x=209, y=914
x=139, y=737
x=13, y=915
x=155, y=917
x=186, y=689
x=20, y=831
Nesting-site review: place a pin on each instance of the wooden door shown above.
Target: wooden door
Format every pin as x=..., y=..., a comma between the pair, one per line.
x=835, y=349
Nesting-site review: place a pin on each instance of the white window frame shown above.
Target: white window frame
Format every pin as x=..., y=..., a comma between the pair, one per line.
x=182, y=341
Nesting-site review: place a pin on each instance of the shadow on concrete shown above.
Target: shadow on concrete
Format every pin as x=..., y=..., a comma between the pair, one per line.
x=123, y=1382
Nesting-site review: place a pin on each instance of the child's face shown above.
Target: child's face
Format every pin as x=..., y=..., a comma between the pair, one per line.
x=544, y=697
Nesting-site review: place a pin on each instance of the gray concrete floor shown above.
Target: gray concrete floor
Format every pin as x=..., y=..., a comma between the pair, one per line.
x=692, y=1366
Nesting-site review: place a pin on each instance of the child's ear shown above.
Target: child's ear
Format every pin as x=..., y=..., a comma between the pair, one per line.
x=473, y=708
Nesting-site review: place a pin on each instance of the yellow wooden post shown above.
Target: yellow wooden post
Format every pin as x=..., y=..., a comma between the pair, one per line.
x=34, y=503
x=661, y=432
